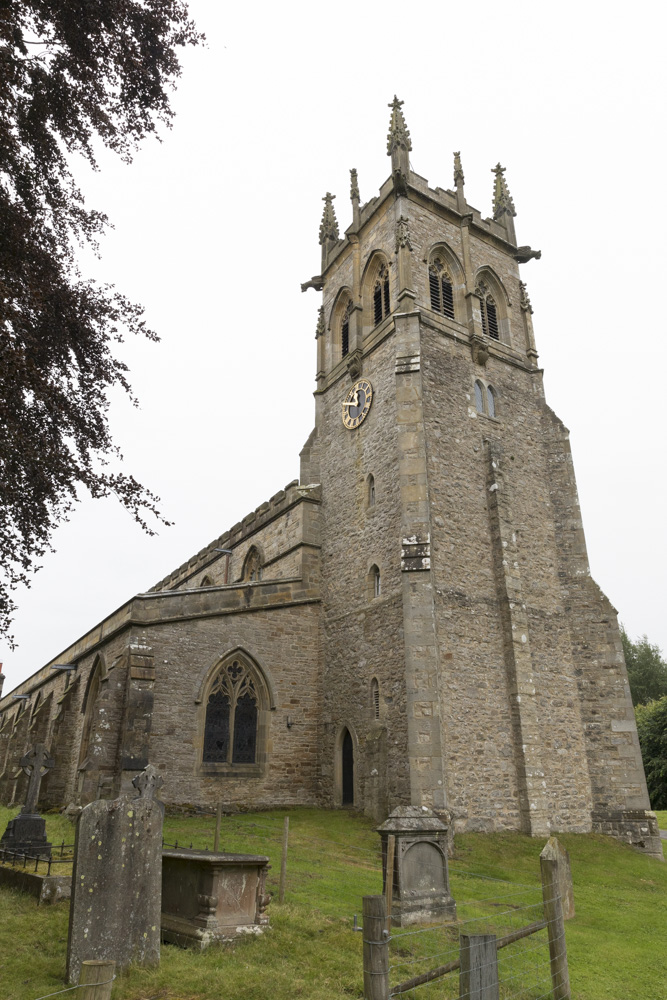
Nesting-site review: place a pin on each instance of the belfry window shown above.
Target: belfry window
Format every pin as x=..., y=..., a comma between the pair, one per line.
x=490, y=317
x=441, y=289
x=230, y=729
x=381, y=296
x=345, y=331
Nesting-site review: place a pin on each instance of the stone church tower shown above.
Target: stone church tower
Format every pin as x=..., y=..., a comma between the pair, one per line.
x=457, y=601
x=413, y=621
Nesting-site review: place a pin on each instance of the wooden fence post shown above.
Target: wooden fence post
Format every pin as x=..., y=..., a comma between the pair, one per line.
x=389, y=876
x=376, y=948
x=553, y=914
x=283, y=861
x=96, y=978
x=478, y=977
x=218, y=820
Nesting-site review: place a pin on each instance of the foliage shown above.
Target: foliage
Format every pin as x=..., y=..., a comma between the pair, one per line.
x=614, y=942
x=652, y=732
x=71, y=75
x=647, y=670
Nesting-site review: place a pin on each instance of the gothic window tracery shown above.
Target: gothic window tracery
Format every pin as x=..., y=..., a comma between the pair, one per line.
x=441, y=288
x=231, y=725
x=381, y=295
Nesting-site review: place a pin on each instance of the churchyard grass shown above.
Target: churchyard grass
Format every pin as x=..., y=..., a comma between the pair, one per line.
x=615, y=942
x=662, y=818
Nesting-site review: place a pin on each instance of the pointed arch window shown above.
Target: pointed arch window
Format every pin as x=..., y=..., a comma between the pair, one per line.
x=371, y=491
x=441, y=288
x=206, y=581
x=381, y=295
x=232, y=712
x=479, y=397
x=489, y=316
x=486, y=399
x=252, y=565
x=345, y=331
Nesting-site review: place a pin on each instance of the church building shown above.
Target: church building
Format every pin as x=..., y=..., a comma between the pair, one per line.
x=413, y=621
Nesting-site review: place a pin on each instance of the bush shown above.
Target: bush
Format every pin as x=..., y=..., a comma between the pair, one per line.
x=652, y=731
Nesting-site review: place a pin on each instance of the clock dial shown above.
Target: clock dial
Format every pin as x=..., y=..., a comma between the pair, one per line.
x=357, y=403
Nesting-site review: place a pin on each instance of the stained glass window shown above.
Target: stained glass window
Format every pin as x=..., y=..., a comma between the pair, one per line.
x=230, y=729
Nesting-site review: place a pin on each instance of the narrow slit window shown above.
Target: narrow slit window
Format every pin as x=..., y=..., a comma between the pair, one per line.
x=376, y=582
x=375, y=698
x=371, y=491
x=490, y=401
x=345, y=331
x=381, y=303
x=492, y=319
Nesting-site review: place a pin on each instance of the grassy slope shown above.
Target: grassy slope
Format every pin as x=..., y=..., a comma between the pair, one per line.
x=615, y=943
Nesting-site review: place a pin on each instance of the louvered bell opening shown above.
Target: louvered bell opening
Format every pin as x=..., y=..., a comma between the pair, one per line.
x=485, y=325
x=377, y=304
x=493, y=319
x=386, y=296
x=345, y=337
x=434, y=288
x=447, y=299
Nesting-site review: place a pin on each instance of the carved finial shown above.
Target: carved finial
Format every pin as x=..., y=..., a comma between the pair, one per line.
x=502, y=199
x=399, y=136
x=524, y=300
x=403, y=234
x=354, y=185
x=458, y=170
x=329, y=225
x=319, y=331
x=148, y=782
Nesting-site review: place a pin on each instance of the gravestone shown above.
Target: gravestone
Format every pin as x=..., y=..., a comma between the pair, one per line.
x=554, y=851
x=420, y=879
x=117, y=880
x=26, y=833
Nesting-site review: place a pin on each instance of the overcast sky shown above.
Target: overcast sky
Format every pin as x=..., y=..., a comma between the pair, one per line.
x=217, y=226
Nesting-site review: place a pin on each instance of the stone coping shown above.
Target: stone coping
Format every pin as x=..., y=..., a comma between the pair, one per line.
x=214, y=857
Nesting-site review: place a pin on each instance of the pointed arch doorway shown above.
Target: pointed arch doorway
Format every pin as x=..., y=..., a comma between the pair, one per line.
x=344, y=768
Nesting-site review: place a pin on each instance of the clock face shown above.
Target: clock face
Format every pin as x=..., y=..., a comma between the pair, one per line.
x=357, y=403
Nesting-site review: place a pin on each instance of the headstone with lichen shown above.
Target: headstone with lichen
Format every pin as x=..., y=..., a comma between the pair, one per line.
x=117, y=880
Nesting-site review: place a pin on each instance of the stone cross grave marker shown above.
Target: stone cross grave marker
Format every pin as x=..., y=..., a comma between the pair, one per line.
x=26, y=833
x=117, y=880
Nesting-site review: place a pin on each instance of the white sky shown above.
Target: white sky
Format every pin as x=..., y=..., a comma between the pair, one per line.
x=217, y=226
